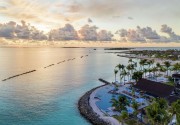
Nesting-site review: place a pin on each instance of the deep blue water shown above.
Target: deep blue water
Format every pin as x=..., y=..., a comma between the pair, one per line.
x=49, y=96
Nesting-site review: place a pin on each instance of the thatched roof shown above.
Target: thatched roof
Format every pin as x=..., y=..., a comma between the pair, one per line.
x=172, y=99
x=176, y=75
x=156, y=89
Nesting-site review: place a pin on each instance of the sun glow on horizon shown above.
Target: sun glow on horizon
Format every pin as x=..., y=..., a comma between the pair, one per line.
x=122, y=21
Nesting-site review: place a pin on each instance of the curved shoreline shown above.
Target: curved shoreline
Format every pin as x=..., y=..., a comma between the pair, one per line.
x=86, y=110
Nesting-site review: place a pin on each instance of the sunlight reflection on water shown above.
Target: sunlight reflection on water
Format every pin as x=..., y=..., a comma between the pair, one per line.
x=49, y=96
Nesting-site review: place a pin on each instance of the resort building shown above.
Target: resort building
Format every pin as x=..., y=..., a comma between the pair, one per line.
x=157, y=89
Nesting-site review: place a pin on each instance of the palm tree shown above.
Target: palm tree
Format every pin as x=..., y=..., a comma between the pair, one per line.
x=142, y=63
x=124, y=116
x=162, y=103
x=167, y=65
x=115, y=73
x=120, y=103
x=128, y=75
x=158, y=65
x=176, y=67
x=135, y=106
x=149, y=70
x=137, y=75
x=175, y=110
x=135, y=65
x=120, y=67
x=130, y=61
x=133, y=92
x=150, y=62
x=154, y=70
x=157, y=113
x=124, y=74
x=162, y=69
x=145, y=71
x=130, y=68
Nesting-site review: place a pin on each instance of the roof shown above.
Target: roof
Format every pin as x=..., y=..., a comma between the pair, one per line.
x=154, y=88
x=172, y=99
x=176, y=75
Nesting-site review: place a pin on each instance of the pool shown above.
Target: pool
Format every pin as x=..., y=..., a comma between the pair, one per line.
x=105, y=102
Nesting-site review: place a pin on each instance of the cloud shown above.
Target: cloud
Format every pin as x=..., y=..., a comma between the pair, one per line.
x=36, y=11
x=90, y=20
x=3, y=8
x=11, y=30
x=88, y=33
x=130, y=35
x=116, y=16
x=96, y=8
x=133, y=35
x=65, y=33
x=130, y=18
x=169, y=31
x=122, y=32
x=147, y=34
x=104, y=35
x=8, y=30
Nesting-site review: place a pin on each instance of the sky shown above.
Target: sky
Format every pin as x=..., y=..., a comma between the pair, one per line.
x=142, y=21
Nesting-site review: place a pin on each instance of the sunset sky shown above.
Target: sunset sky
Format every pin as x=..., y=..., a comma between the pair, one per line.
x=127, y=20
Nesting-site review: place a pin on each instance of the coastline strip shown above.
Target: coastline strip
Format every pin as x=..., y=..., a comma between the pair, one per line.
x=86, y=110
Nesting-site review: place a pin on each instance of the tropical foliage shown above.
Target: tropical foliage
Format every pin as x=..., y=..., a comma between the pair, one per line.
x=175, y=110
x=132, y=72
x=157, y=113
x=120, y=103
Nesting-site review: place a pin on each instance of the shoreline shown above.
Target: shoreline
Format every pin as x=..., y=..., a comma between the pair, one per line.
x=157, y=60
x=87, y=111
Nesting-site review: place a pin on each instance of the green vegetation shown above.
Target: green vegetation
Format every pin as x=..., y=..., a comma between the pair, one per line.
x=145, y=66
x=115, y=73
x=123, y=117
x=175, y=110
x=118, y=48
x=158, y=112
x=132, y=122
x=137, y=75
x=171, y=54
x=120, y=104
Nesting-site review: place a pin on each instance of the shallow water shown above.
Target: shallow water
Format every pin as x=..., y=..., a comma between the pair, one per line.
x=49, y=96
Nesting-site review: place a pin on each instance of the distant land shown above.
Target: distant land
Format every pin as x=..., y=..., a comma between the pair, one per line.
x=118, y=48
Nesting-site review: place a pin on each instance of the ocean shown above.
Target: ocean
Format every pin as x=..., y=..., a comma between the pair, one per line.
x=49, y=96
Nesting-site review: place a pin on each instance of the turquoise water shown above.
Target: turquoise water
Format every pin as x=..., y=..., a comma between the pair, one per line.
x=50, y=96
x=105, y=102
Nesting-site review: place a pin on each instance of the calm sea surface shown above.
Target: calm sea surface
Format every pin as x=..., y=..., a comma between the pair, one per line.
x=49, y=96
